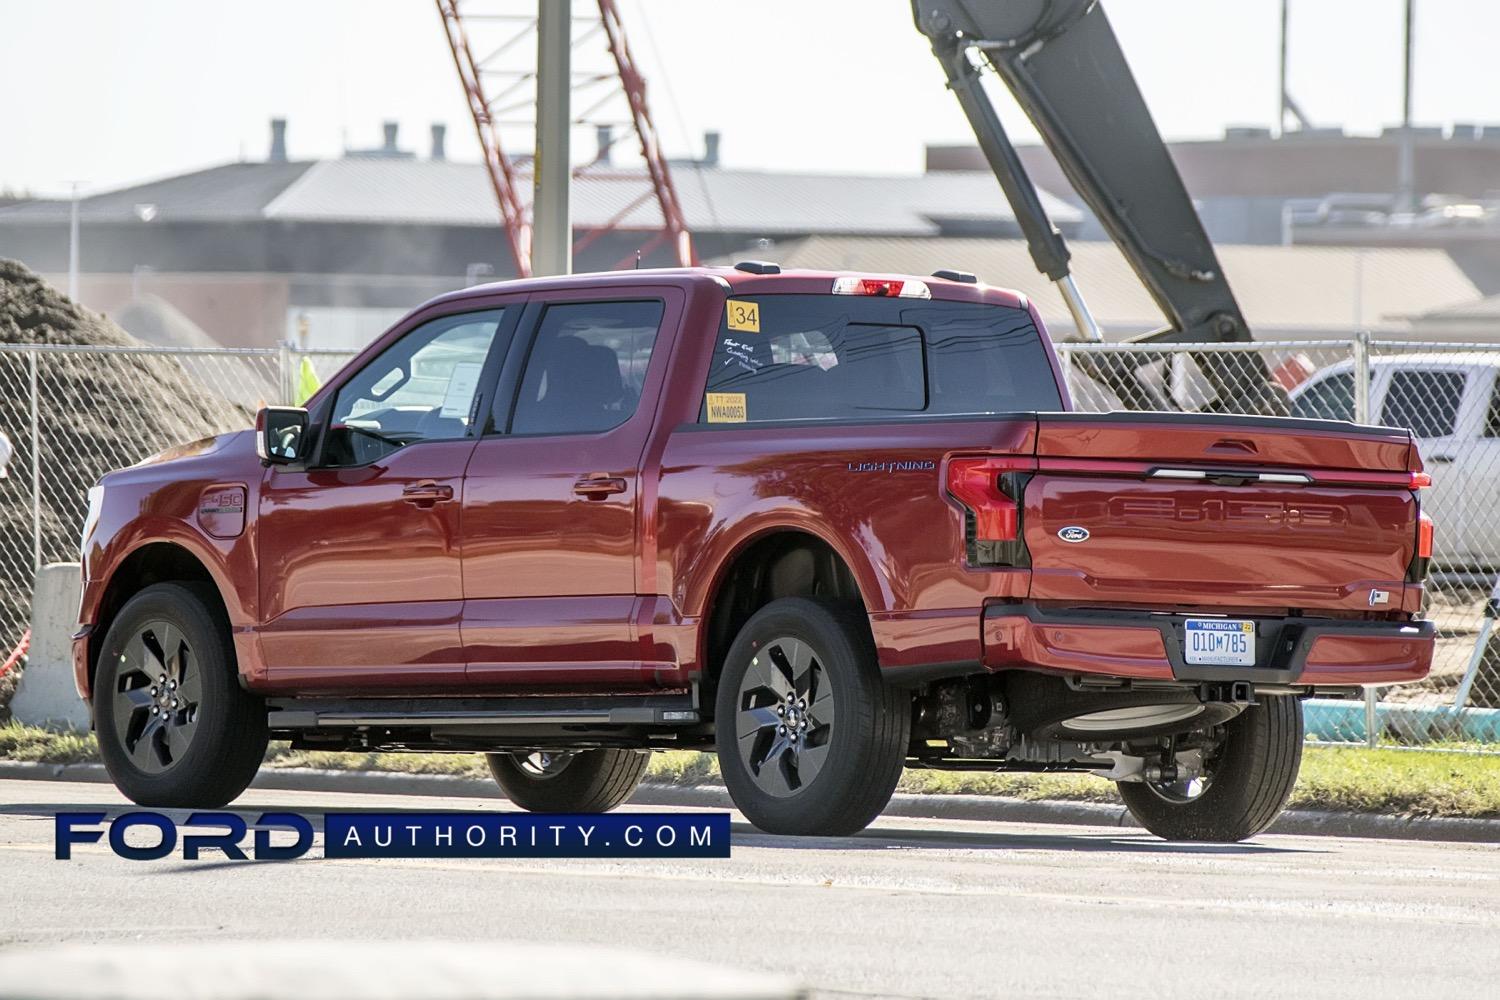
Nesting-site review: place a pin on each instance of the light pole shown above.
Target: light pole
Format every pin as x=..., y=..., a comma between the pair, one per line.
x=552, y=235
x=1406, y=181
x=73, y=245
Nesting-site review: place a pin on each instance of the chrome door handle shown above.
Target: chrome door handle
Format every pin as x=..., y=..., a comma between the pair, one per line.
x=427, y=494
x=599, y=487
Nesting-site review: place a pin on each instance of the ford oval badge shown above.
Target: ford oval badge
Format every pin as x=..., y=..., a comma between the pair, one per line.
x=1073, y=533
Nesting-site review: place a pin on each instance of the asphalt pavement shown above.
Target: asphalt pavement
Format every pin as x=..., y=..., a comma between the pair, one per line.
x=910, y=908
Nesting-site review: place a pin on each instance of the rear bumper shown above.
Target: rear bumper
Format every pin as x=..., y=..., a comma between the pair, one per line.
x=1145, y=646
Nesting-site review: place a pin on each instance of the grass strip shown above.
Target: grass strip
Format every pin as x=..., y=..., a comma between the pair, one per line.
x=1350, y=779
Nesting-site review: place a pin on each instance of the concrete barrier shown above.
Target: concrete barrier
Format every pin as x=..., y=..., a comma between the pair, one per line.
x=47, y=696
x=1336, y=721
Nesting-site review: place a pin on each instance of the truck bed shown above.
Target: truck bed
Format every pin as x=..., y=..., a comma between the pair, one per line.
x=1222, y=512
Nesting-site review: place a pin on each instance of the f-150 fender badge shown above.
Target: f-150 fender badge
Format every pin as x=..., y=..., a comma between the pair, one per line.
x=221, y=510
x=1073, y=533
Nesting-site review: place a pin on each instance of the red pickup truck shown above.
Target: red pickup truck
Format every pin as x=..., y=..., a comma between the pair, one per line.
x=831, y=525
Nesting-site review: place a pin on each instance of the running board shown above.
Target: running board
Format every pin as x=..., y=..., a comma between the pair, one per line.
x=390, y=713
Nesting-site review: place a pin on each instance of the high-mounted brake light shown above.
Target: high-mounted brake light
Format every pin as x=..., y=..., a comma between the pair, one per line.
x=904, y=289
x=1420, y=480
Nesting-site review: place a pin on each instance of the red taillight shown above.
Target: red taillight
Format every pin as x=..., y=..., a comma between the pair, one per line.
x=906, y=288
x=976, y=483
x=1420, y=480
x=1424, y=537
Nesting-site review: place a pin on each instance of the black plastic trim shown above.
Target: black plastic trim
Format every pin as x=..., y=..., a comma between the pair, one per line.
x=916, y=675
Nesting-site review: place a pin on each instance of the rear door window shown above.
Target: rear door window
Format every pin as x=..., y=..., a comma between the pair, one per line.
x=826, y=357
x=587, y=367
x=1424, y=402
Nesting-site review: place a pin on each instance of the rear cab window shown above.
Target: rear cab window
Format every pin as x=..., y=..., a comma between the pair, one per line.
x=835, y=357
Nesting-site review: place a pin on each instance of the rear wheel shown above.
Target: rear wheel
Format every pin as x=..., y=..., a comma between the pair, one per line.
x=584, y=781
x=810, y=738
x=1246, y=780
x=174, y=726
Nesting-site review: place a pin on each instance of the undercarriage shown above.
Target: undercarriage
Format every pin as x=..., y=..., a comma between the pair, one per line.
x=1016, y=722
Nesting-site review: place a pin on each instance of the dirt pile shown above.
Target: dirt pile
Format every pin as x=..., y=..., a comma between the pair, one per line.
x=95, y=412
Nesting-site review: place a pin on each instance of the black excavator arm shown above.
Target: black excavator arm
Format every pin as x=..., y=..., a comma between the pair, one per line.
x=1063, y=63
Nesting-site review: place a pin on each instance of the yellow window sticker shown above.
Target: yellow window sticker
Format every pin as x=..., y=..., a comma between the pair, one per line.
x=743, y=315
x=726, y=407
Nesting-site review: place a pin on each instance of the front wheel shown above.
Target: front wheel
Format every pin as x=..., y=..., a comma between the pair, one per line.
x=584, y=781
x=175, y=728
x=1245, y=783
x=811, y=740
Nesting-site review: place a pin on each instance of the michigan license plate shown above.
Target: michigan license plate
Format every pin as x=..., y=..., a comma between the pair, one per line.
x=1220, y=642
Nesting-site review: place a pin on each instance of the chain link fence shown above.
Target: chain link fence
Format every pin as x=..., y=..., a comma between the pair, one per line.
x=75, y=413
x=1448, y=396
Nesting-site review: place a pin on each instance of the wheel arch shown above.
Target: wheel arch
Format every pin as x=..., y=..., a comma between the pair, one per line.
x=773, y=563
x=147, y=564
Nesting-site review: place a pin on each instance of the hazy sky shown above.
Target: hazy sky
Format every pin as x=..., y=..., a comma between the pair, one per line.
x=110, y=92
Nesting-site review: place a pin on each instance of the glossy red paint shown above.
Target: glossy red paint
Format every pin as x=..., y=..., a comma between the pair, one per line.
x=1115, y=651
x=1352, y=659
x=552, y=538
x=340, y=584
x=338, y=610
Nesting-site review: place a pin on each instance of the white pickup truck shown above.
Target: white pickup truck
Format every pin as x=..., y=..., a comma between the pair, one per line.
x=1451, y=403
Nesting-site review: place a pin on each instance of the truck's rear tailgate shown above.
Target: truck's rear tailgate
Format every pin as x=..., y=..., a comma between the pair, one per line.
x=1295, y=514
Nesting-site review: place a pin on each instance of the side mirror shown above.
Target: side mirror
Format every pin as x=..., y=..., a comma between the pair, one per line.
x=281, y=436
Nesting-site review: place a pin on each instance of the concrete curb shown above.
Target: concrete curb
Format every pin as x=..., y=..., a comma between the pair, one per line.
x=1301, y=822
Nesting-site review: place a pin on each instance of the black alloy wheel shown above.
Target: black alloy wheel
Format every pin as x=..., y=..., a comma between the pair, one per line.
x=786, y=716
x=157, y=693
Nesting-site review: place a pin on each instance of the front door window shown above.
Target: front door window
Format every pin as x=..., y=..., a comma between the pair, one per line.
x=424, y=387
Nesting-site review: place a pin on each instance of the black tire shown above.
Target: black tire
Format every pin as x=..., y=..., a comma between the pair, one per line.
x=203, y=752
x=860, y=748
x=588, y=781
x=1251, y=777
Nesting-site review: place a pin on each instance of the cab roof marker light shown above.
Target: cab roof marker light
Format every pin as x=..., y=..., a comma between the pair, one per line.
x=884, y=287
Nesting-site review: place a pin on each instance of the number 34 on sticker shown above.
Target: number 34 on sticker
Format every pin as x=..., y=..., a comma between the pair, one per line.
x=743, y=315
